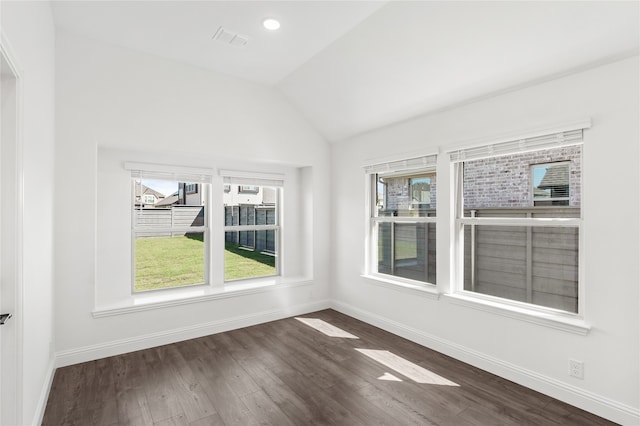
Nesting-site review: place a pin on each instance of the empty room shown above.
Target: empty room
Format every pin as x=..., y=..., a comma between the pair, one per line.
x=319, y=212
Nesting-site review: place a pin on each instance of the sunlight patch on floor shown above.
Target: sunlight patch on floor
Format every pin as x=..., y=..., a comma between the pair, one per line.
x=326, y=328
x=389, y=378
x=406, y=368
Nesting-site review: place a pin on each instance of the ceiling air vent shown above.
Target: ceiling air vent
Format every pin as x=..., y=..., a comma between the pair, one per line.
x=229, y=37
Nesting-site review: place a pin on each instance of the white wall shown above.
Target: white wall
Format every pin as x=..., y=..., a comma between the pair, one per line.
x=531, y=354
x=114, y=100
x=28, y=26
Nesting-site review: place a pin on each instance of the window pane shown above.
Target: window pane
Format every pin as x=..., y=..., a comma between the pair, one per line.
x=536, y=265
x=551, y=184
x=243, y=263
x=413, y=195
x=166, y=254
x=407, y=250
x=547, y=177
x=250, y=253
x=164, y=261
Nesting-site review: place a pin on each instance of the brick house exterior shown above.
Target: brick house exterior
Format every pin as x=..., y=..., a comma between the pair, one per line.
x=506, y=181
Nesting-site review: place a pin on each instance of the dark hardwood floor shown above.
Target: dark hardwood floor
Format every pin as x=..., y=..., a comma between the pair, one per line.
x=288, y=373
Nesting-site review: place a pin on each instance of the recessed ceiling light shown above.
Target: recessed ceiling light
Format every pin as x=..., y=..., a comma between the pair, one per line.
x=271, y=24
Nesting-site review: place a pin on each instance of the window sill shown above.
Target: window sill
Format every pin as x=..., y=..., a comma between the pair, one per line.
x=426, y=290
x=177, y=297
x=547, y=319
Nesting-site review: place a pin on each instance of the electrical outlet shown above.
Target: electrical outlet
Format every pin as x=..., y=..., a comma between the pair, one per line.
x=576, y=369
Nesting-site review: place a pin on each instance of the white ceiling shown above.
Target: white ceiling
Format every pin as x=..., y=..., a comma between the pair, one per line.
x=183, y=30
x=352, y=66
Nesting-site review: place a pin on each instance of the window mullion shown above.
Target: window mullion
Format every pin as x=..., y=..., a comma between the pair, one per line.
x=520, y=221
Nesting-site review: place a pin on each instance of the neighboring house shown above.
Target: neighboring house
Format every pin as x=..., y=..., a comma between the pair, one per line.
x=411, y=195
x=499, y=182
x=145, y=196
x=190, y=194
x=511, y=181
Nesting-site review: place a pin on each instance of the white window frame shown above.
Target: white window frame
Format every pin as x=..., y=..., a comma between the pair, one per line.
x=412, y=166
x=148, y=197
x=256, y=180
x=565, y=320
x=140, y=171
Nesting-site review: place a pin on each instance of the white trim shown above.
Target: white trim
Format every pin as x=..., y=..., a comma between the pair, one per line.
x=121, y=346
x=7, y=52
x=146, y=301
x=582, y=123
x=404, y=219
x=252, y=178
x=168, y=171
x=586, y=400
x=44, y=394
x=392, y=158
x=518, y=146
x=426, y=162
x=521, y=221
x=427, y=290
x=537, y=315
x=249, y=175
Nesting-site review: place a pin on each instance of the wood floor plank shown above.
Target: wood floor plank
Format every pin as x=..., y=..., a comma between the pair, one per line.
x=213, y=420
x=226, y=403
x=193, y=399
x=264, y=409
x=162, y=393
x=286, y=399
x=289, y=373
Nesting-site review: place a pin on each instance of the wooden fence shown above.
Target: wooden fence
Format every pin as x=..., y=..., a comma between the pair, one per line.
x=530, y=264
x=408, y=250
x=175, y=221
x=150, y=221
x=261, y=241
x=534, y=264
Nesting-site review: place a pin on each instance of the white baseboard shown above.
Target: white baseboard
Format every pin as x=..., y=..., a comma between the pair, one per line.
x=44, y=394
x=117, y=347
x=588, y=401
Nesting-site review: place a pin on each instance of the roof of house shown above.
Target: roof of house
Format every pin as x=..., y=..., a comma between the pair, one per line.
x=555, y=176
x=143, y=190
x=167, y=201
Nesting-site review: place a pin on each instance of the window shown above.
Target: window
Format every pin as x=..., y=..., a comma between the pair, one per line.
x=551, y=185
x=420, y=188
x=149, y=199
x=403, y=216
x=191, y=188
x=249, y=188
x=252, y=227
x=170, y=244
x=518, y=221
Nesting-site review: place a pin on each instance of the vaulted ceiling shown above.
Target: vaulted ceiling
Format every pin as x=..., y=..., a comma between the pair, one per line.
x=353, y=66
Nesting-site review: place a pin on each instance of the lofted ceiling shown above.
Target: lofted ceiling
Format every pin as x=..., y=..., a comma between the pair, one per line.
x=353, y=66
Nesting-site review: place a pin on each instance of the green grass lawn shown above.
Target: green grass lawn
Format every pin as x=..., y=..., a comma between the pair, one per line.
x=179, y=261
x=242, y=263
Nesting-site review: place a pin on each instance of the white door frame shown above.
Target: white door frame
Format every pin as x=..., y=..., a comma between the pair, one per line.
x=13, y=195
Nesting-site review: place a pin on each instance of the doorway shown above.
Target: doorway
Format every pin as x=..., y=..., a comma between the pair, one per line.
x=10, y=240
